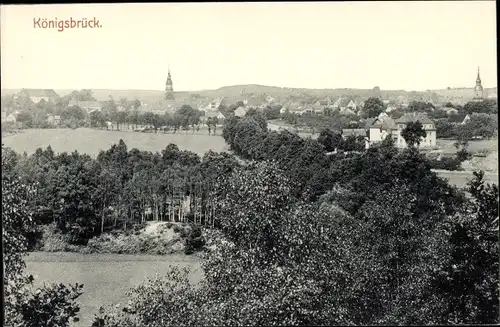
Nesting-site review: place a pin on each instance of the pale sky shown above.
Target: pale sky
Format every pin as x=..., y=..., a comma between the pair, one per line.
x=393, y=45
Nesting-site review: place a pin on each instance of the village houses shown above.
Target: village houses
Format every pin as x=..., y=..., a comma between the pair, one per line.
x=88, y=106
x=382, y=126
x=37, y=95
x=53, y=120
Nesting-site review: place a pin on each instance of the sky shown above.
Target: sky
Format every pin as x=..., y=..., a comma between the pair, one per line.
x=393, y=45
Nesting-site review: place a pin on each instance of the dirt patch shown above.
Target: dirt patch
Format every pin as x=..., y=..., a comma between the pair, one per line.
x=488, y=163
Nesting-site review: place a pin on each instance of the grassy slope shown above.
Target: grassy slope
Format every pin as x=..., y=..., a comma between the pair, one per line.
x=106, y=277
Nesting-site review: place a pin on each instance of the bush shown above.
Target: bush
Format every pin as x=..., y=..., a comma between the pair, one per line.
x=194, y=241
x=178, y=229
x=446, y=163
x=54, y=240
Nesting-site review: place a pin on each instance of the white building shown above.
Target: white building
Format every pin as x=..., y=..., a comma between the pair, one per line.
x=382, y=126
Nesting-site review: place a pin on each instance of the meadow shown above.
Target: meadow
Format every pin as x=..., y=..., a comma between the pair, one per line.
x=91, y=141
x=106, y=277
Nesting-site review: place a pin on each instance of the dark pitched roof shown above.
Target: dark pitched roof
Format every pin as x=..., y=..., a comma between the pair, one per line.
x=354, y=131
x=369, y=122
x=383, y=123
x=457, y=118
x=413, y=117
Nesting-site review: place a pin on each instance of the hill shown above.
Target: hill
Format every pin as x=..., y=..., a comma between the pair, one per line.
x=233, y=91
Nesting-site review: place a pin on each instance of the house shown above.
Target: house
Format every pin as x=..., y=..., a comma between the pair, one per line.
x=252, y=102
x=307, y=110
x=37, y=95
x=212, y=114
x=390, y=108
x=283, y=110
x=159, y=112
x=345, y=105
x=380, y=127
x=318, y=109
x=347, y=111
x=451, y=111
x=11, y=119
x=354, y=132
x=351, y=106
x=459, y=119
x=88, y=106
x=430, y=129
x=241, y=111
x=270, y=99
x=216, y=103
x=57, y=119
x=50, y=119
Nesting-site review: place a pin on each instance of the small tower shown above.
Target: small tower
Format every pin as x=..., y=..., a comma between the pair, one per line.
x=169, y=88
x=478, y=90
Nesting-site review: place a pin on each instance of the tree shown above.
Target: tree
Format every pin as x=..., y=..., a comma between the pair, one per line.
x=483, y=125
x=420, y=106
x=488, y=106
x=329, y=139
x=137, y=104
x=26, y=118
x=413, y=133
x=51, y=305
x=469, y=281
x=373, y=107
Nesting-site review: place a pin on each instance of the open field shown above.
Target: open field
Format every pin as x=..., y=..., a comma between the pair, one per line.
x=474, y=146
x=460, y=178
x=106, y=277
x=91, y=141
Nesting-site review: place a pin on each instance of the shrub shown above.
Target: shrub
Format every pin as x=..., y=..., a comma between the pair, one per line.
x=178, y=229
x=446, y=163
x=194, y=241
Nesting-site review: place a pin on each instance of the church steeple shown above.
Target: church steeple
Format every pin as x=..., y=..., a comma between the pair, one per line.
x=478, y=90
x=169, y=87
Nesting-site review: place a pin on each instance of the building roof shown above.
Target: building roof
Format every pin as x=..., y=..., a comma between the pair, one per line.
x=354, y=131
x=215, y=113
x=341, y=102
x=457, y=118
x=383, y=122
x=39, y=93
x=241, y=111
x=413, y=117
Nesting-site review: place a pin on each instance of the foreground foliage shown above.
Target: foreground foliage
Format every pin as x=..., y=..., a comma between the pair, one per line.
x=24, y=306
x=396, y=257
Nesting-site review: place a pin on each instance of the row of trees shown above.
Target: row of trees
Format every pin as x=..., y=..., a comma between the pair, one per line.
x=119, y=188
x=480, y=125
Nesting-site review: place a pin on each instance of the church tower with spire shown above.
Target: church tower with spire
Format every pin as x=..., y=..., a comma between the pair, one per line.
x=169, y=88
x=478, y=90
